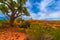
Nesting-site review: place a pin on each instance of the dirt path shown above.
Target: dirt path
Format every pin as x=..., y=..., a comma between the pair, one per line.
x=11, y=34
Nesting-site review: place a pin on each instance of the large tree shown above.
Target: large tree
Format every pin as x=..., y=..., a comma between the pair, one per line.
x=14, y=7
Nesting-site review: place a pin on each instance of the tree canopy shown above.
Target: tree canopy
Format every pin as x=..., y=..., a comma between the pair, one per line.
x=15, y=7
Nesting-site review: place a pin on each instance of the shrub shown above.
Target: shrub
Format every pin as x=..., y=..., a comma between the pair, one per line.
x=55, y=33
x=21, y=30
x=38, y=32
x=1, y=25
x=3, y=22
x=25, y=25
x=18, y=22
x=35, y=31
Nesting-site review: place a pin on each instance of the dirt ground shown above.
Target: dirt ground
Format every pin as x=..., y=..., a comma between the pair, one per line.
x=12, y=34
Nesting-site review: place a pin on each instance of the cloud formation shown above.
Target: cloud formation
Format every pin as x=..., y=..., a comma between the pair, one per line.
x=48, y=10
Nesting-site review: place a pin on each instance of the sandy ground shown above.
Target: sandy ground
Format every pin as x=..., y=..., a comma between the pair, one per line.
x=12, y=34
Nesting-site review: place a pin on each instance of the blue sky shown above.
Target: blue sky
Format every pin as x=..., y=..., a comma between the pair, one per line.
x=43, y=9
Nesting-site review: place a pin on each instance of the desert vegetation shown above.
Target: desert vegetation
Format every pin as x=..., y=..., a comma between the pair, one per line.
x=40, y=30
x=37, y=30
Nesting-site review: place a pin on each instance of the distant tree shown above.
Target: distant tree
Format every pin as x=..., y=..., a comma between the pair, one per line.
x=15, y=7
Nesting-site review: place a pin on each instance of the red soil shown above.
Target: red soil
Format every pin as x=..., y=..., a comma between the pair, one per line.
x=12, y=34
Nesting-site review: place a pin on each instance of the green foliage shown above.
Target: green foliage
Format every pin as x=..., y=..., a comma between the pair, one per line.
x=55, y=33
x=35, y=31
x=1, y=0
x=39, y=31
x=16, y=8
x=21, y=30
x=13, y=5
x=20, y=19
x=21, y=1
x=24, y=24
x=1, y=25
x=3, y=8
x=2, y=22
x=25, y=11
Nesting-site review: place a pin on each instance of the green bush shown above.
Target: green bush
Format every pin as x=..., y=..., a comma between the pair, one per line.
x=35, y=31
x=24, y=24
x=21, y=30
x=55, y=33
x=39, y=32
x=1, y=25
x=2, y=22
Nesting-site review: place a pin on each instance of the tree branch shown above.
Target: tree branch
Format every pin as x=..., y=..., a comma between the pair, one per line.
x=7, y=5
x=17, y=9
x=10, y=7
x=18, y=15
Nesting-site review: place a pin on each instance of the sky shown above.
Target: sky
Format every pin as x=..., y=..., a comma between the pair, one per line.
x=42, y=10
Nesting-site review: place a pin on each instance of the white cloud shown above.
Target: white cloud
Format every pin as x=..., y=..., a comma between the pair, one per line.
x=44, y=3
x=43, y=14
x=54, y=15
x=28, y=4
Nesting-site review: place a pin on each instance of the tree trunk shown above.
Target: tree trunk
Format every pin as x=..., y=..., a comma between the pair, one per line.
x=12, y=20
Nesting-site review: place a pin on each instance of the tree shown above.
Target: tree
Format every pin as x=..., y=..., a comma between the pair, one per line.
x=15, y=8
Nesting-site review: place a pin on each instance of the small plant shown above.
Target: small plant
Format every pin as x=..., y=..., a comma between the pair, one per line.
x=25, y=25
x=2, y=22
x=1, y=25
x=21, y=30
